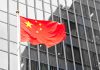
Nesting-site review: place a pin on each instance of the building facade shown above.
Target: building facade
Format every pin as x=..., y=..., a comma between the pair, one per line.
x=80, y=50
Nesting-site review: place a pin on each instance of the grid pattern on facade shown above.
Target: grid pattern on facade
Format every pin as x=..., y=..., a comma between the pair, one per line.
x=80, y=50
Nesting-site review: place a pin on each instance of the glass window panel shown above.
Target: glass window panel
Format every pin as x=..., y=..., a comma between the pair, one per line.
x=77, y=8
x=31, y=13
x=70, y=65
x=39, y=4
x=78, y=67
x=13, y=33
x=54, y=2
x=51, y=50
x=48, y=1
x=47, y=16
x=12, y=7
x=24, y=51
x=68, y=52
x=71, y=17
x=81, y=31
x=85, y=11
x=75, y=41
x=39, y=15
x=98, y=13
x=61, y=63
x=54, y=9
x=52, y=60
x=85, y=57
x=73, y=28
x=60, y=50
x=3, y=45
x=33, y=53
x=13, y=20
x=77, y=55
x=13, y=62
x=3, y=60
x=34, y=65
x=83, y=44
x=23, y=63
x=4, y=16
x=22, y=9
x=89, y=34
x=62, y=3
x=97, y=36
x=31, y=2
x=87, y=68
x=66, y=25
x=22, y=1
x=47, y=7
x=94, y=60
x=3, y=30
x=95, y=25
x=43, y=66
x=13, y=47
x=92, y=13
x=42, y=47
x=3, y=5
x=91, y=46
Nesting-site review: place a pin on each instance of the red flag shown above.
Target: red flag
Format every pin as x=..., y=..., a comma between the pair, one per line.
x=44, y=32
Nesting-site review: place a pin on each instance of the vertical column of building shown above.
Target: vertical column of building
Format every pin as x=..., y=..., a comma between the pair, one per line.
x=18, y=39
x=38, y=49
x=55, y=45
x=99, y=31
x=94, y=41
x=46, y=47
x=65, y=59
x=29, y=58
x=70, y=34
x=87, y=44
x=79, y=43
x=8, y=34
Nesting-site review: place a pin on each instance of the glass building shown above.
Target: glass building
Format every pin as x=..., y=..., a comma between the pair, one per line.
x=80, y=50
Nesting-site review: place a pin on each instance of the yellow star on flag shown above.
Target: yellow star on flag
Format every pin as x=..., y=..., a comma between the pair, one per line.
x=28, y=24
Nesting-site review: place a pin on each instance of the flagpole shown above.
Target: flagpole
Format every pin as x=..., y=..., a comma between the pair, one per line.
x=18, y=37
x=18, y=40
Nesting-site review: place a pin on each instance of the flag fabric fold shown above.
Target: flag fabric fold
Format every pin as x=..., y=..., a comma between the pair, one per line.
x=44, y=32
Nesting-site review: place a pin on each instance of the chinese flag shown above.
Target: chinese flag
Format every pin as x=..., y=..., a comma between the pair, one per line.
x=44, y=32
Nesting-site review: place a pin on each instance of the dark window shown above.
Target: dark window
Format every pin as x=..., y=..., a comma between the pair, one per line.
x=77, y=55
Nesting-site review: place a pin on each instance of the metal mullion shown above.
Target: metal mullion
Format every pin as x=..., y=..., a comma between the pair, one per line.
x=66, y=65
x=38, y=49
x=96, y=14
x=80, y=48
x=87, y=44
x=48, y=58
x=29, y=54
x=56, y=57
x=38, y=57
x=55, y=45
x=8, y=36
x=99, y=31
x=46, y=47
x=93, y=33
x=18, y=40
x=70, y=33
